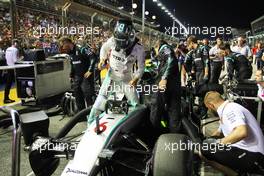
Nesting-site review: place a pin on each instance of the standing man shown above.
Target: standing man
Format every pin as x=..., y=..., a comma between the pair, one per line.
x=216, y=63
x=169, y=94
x=197, y=61
x=122, y=52
x=12, y=55
x=83, y=63
x=243, y=48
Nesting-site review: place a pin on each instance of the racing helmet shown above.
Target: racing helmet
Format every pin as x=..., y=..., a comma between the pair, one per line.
x=124, y=34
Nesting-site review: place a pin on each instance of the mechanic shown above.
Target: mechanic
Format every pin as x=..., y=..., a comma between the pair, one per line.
x=216, y=63
x=243, y=48
x=260, y=82
x=197, y=61
x=83, y=63
x=167, y=99
x=11, y=55
x=122, y=52
x=240, y=141
x=237, y=64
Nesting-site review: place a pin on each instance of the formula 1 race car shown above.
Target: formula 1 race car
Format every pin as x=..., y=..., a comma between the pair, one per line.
x=117, y=143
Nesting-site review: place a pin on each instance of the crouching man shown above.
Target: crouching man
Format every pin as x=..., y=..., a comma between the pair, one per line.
x=240, y=142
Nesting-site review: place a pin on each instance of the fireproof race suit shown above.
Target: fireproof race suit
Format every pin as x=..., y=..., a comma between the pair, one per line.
x=121, y=72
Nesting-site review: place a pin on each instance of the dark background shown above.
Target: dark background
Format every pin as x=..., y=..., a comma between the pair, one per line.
x=234, y=13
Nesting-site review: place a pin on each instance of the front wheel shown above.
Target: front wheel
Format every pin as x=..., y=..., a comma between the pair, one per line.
x=172, y=156
x=104, y=169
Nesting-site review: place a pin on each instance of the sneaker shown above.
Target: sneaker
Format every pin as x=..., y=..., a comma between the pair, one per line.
x=9, y=101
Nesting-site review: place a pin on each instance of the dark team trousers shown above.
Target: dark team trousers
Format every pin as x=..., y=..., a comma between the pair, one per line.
x=243, y=74
x=9, y=80
x=83, y=91
x=235, y=158
x=171, y=98
x=215, y=71
x=199, y=76
x=260, y=63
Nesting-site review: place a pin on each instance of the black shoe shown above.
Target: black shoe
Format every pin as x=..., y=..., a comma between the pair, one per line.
x=9, y=101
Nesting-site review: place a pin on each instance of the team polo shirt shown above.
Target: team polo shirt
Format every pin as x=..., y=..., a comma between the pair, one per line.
x=11, y=55
x=233, y=115
x=244, y=50
x=260, y=92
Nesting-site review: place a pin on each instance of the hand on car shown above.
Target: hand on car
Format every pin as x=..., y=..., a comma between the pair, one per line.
x=133, y=82
x=87, y=74
x=163, y=84
x=101, y=64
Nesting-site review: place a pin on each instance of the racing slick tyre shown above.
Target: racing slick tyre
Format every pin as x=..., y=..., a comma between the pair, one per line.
x=172, y=157
x=81, y=116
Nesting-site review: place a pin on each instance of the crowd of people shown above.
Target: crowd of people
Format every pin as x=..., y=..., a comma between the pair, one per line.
x=30, y=31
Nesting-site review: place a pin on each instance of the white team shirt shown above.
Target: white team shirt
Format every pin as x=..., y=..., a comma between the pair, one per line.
x=260, y=92
x=214, y=51
x=11, y=55
x=121, y=66
x=233, y=115
x=244, y=50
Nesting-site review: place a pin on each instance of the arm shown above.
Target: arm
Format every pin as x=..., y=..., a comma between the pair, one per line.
x=106, y=47
x=72, y=70
x=217, y=134
x=249, y=53
x=92, y=59
x=188, y=64
x=206, y=62
x=230, y=67
x=104, y=51
x=239, y=133
x=171, y=63
x=212, y=53
x=140, y=63
x=17, y=56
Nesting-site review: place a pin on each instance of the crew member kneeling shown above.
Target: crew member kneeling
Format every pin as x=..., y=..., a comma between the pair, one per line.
x=240, y=135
